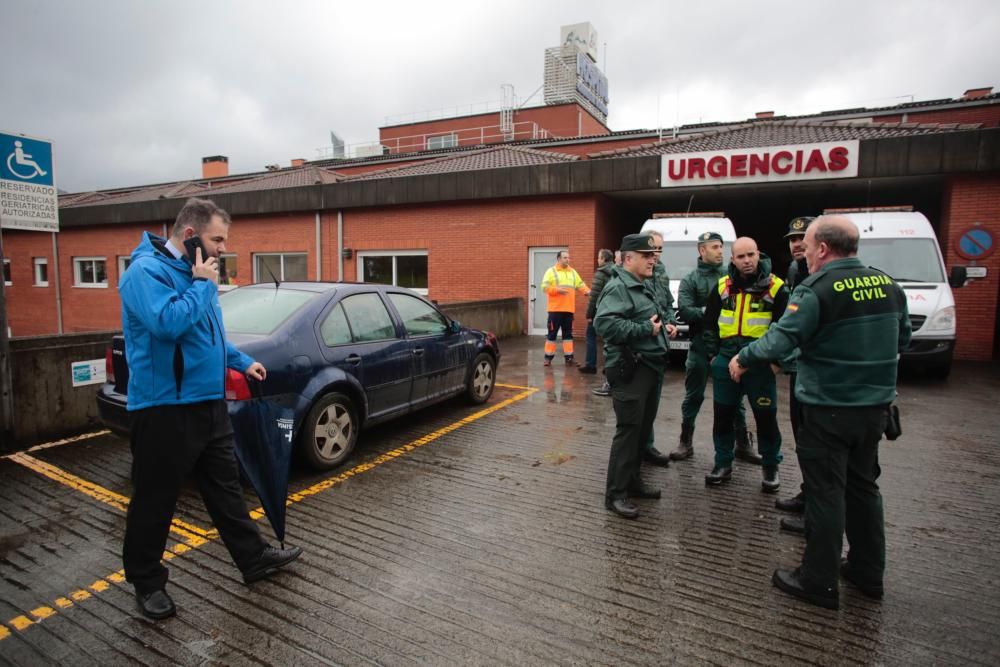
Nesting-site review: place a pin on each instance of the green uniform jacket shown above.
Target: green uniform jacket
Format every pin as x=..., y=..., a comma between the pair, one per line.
x=849, y=322
x=623, y=320
x=692, y=297
x=760, y=283
x=664, y=299
x=601, y=276
x=798, y=271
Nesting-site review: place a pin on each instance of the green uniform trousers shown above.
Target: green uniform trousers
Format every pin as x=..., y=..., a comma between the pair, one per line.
x=659, y=392
x=838, y=454
x=695, y=380
x=758, y=384
x=636, y=403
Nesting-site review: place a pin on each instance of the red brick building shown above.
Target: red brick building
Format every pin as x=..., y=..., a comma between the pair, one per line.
x=463, y=218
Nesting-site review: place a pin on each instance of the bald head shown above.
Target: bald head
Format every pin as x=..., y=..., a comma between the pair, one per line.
x=830, y=237
x=745, y=255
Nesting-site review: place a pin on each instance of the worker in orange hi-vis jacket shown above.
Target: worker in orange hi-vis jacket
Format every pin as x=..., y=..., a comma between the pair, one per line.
x=561, y=283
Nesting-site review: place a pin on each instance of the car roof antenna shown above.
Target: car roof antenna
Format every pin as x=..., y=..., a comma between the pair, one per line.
x=277, y=283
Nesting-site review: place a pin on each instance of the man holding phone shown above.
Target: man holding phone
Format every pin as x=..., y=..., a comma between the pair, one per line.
x=178, y=354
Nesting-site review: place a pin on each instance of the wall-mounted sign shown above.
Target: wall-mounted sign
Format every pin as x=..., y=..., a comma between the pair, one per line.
x=975, y=272
x=591, y=83
x=975, y=243
x=28, y=198
x=88, y=372
x=797, y=162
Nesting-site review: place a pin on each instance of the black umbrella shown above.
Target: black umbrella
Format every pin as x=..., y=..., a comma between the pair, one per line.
x=263, y=435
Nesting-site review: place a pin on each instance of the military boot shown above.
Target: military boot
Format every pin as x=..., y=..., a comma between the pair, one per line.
x=685, y=448
x=744, y=447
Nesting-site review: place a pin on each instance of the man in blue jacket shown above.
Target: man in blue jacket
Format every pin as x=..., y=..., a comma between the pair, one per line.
x=178, y=355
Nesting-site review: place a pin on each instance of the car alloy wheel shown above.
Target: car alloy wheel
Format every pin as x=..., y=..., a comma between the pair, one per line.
x=331, y=431
x=482, y=378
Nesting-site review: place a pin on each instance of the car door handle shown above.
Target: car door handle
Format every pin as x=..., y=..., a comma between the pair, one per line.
x=353, y=359
x=418, y=351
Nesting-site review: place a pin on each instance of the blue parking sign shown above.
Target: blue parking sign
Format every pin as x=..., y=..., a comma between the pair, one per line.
x=25, y=160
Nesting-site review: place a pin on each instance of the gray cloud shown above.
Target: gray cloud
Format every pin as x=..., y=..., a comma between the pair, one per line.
x=135, y=93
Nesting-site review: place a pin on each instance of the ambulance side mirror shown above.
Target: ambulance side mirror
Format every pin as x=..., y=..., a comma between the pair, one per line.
x=958, y=276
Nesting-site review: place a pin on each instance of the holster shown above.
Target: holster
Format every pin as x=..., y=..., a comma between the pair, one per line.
x=893, y=427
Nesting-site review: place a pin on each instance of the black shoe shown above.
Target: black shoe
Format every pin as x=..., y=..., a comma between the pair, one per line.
x=769, y=482
x=623, y=508
x=796, y=504
x=589, y=370
x=793, y=524
x=656, y=457
x=685, y=446
x=874, y=591
x=270, y=561
x=790, y=582
x=744, y=448
x=603, y=390
x=718, y=475
x=156, y=605
x=644, y=492
x=569, y=360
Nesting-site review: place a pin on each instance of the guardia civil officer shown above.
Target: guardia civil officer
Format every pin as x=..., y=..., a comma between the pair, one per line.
x=635, y=352
x=744, y=304
x=797, y=272
x=692, y=297
x=849, y=323
x=665, y=306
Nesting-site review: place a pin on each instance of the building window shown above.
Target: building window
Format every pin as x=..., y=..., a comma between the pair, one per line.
x=283, y=267
x=90, y=272
x=402, y=268
x=228, y=272
x=124, y=261
x=6, y=272
x=41, y=271
x=442, y=141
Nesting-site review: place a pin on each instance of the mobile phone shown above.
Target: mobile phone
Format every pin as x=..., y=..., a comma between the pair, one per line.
x=191, y=245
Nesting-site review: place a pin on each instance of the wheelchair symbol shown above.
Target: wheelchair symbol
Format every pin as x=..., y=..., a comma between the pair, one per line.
x=24, y=160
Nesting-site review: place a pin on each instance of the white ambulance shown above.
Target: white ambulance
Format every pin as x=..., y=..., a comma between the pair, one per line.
x=680, y=250
x=901, y=243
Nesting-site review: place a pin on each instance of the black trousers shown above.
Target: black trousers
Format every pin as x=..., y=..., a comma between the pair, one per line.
x=838, y=454
x=795, y=413
x=169, y=443
x=636, y=404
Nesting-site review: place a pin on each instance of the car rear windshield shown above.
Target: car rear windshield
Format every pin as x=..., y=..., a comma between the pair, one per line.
x=682, y=258
x=260, y=311
x=906, y=260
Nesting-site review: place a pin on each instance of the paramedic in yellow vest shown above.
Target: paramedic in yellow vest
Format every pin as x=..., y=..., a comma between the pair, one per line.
x=560, y=284
x=748, y=300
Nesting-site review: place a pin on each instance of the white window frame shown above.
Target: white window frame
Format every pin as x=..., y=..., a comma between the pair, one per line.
x=77, y=262
x=7, y=268
x=394, y=254
x=267, y=278
x=37, y=262
x=226, y=288
x=449, y=140
x=121, y=265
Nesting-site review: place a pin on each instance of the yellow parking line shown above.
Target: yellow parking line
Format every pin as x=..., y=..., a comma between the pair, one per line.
x=106, y=496
x=58, y=443
x=514, y=386
x=193, y=541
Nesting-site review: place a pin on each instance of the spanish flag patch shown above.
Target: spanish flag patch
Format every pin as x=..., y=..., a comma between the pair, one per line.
x=792, y=307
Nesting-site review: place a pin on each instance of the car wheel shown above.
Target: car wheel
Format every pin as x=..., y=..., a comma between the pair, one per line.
x=330, y=432
x=482, y=379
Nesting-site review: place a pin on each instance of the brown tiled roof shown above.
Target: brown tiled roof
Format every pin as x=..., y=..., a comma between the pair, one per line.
x=168, y=191
x=286, y=178
x=782, y=132
x=487, y=158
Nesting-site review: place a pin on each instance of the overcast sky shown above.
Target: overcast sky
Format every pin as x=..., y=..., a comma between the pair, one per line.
x=138, y=92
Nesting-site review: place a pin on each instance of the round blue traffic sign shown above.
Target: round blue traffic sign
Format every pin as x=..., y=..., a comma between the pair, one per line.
x=975, y=243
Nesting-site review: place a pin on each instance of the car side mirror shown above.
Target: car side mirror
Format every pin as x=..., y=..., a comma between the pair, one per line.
x=958, y=276
x=454, y=327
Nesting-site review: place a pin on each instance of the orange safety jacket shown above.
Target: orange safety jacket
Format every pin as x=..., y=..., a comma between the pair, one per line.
x=566, y=278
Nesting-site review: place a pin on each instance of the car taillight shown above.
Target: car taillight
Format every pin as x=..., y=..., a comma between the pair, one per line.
x=109, y=366
x=237, y=387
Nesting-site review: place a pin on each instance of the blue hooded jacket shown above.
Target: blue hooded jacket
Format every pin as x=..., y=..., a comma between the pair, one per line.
x=174, y=339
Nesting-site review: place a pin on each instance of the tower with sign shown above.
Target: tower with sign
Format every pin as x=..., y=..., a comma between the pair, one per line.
x=571, y=72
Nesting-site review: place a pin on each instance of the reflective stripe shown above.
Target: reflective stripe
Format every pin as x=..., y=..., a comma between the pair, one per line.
x=727, y=319
x=758, y=321
x=567, y=347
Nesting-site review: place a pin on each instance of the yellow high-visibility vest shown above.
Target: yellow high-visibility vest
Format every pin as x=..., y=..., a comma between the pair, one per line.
x=746, y=314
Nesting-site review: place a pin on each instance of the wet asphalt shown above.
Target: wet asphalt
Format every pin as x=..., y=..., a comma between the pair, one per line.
x=465, y=536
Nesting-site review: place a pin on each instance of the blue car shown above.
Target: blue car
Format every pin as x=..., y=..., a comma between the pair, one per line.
x=342, y=356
